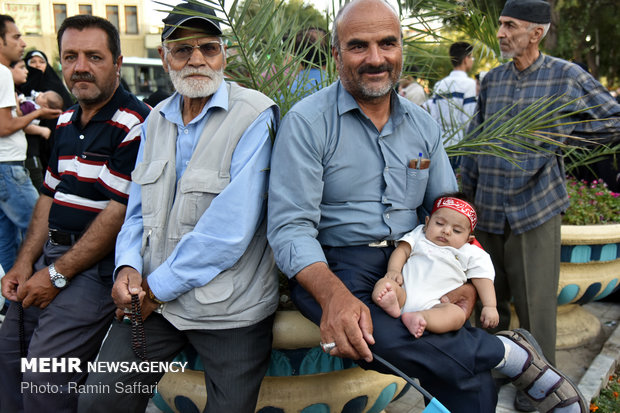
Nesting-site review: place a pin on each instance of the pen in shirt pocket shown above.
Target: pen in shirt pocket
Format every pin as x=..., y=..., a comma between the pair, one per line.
x=420, y=162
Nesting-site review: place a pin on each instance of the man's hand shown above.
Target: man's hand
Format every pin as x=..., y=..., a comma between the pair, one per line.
x=464, y=296
x=38, y=291
x=48, y=113
x=346, y=320
x=129, y=282
x=13, y=279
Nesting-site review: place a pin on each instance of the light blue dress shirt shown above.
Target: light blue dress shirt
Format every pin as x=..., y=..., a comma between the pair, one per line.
x=338, y=181
x=226, y=228
x=307, y=82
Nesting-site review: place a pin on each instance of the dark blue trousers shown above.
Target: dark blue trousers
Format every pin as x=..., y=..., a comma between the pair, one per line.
x=454, y=367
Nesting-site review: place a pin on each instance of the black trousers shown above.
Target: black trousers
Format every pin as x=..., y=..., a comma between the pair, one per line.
x=235, y=361
x=454, y=367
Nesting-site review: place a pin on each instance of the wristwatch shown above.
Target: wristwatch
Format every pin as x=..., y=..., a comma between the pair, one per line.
x=152, y=297
x=58, y=280
x=160, y=303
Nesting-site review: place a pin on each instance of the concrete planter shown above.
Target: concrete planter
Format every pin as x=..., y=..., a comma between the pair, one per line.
x=589, y=271
x=300, y=379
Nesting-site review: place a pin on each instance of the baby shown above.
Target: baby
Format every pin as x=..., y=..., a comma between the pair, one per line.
x=48, y=99
x=432, y=260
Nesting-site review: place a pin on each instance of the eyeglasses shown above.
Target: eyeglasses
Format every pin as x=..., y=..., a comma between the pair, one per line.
x=183, y=52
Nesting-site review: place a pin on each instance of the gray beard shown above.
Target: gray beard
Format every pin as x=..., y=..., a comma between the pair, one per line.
x=507, y=55
x=196, y=88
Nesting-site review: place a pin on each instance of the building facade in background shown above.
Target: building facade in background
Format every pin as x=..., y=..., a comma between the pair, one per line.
x=39, y=21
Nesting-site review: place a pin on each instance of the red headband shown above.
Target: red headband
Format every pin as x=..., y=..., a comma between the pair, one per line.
x=459, y=206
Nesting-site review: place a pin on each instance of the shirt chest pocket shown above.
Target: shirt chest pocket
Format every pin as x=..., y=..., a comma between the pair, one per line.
x=147, y=175
x=417, y=180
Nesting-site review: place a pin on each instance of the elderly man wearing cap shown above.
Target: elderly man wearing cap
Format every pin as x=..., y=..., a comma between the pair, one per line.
x=192, y=254
x=520, y=205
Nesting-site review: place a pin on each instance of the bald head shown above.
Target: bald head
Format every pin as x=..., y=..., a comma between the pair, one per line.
x=370, y=8
x=368, y=50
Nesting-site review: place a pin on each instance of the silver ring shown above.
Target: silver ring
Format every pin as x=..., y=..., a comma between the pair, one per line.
x=327, y=347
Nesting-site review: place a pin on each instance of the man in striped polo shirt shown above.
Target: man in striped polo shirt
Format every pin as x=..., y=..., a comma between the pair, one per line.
x=454, y=97
x=63, y=273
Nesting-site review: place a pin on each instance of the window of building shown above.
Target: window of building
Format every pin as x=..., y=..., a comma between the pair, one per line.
x=85, y=9
x=27, y=16
x=131, y=19
x=60, y=14
x=111, y=13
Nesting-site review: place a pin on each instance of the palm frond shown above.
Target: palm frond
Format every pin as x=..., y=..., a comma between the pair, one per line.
x=531, y=130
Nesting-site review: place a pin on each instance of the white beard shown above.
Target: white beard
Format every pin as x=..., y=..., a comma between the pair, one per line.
x=507, y=55
x=196, y=88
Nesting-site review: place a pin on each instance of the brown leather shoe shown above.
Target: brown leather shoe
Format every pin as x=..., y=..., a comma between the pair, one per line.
x=563, y=393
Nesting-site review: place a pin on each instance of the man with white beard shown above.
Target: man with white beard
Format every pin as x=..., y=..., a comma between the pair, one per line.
x=192, y=254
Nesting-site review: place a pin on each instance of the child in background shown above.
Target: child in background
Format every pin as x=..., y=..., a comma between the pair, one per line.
x=49, y=99
x=432, y=260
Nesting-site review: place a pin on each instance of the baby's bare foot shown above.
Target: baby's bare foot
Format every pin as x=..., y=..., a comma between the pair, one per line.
x=388, y=300
x=415, y=323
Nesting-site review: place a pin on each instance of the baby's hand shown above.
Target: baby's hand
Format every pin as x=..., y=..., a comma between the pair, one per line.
x=395, y=276
x=489, y=317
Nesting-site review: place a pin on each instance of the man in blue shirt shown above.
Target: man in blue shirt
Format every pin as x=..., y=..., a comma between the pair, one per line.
x=193, y=247
x=312, y=44
x=353, y=166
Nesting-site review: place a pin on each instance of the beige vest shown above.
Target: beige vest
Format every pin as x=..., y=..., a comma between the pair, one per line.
x=248, y=291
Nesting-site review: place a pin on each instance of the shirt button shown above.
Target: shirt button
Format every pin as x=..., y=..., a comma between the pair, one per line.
x=81, y=136
x=384, y=199
x=387, y=216
x=387, y=168
x=185, y=131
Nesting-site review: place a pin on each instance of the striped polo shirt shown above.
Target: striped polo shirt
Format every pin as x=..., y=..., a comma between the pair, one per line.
x=91, y=165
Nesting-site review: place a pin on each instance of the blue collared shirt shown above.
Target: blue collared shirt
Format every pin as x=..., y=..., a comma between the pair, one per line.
x=529, y=193
x=338, y=181
x=307, y=82
x=226, y=228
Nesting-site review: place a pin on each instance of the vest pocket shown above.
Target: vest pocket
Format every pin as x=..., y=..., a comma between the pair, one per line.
x=198, y=188
x=146, y=175
x=218, y=289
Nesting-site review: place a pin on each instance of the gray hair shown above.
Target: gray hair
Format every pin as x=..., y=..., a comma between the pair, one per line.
x=544, y=26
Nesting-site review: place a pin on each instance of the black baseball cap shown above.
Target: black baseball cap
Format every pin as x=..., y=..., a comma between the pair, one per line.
x=190, y=14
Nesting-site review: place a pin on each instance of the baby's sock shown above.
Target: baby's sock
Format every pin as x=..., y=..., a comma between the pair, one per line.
x=513, y=364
